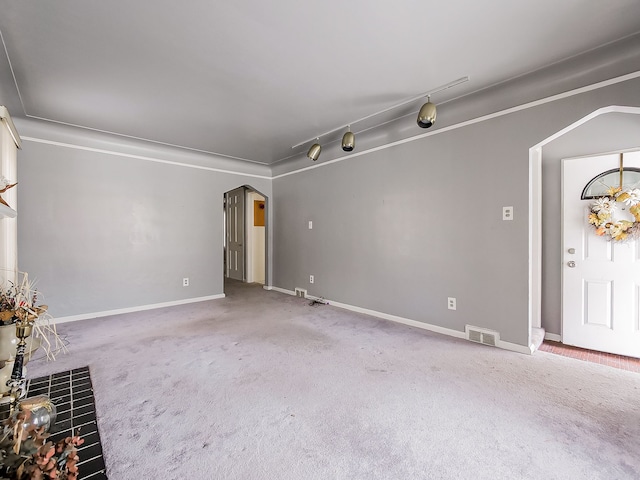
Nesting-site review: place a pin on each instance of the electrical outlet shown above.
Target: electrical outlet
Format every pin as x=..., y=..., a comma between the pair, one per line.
x=185, y=282
x=451, y=302
x=507, y=213
x=311, y=279
x=310, y=224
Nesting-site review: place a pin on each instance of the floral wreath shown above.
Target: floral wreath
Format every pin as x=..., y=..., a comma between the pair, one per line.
x=611, y=220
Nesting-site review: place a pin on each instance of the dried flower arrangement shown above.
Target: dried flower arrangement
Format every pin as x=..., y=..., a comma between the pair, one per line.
x=25, y=453
x=613, y=220
x=19, y=304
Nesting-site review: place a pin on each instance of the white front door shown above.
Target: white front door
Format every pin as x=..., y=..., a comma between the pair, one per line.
x=601, y=279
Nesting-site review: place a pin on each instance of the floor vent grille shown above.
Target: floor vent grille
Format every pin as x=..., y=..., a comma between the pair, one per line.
x=301, y=292
x=482, y=335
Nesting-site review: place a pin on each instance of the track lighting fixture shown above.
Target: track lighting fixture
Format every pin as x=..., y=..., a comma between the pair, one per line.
x=348, y=140
x=426, y=119
x=427, y=114
x=314, y=151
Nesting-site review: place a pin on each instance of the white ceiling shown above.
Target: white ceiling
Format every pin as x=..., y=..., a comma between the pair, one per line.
x=249, y=79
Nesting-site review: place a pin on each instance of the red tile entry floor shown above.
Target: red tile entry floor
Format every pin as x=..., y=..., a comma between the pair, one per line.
x=618, y=361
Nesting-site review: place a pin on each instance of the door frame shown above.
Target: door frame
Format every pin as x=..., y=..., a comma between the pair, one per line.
x=267, y=230
x=227, y=241
x=249, y=260
x=535, y=213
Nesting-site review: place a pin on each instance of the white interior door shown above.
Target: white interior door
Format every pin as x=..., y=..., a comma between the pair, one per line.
x=601, y=288
x=235, y=234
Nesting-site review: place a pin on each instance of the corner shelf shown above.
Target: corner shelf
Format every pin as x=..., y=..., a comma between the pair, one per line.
x=6, y=212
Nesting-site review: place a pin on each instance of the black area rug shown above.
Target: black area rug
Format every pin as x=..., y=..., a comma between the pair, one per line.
x=72, y=394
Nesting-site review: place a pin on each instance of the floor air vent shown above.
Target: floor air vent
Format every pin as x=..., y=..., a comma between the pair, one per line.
x=482, y=335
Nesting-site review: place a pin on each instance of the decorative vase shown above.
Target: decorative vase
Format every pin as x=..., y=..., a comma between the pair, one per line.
x=43, y=411
x=9, y=343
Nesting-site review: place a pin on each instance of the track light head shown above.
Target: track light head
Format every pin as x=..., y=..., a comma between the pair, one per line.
x=348, y=140
x=314, y=151
x=427, y=115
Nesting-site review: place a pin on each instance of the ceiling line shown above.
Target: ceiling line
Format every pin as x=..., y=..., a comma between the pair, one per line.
x=146, y=140
x=518, y=108
x=139, y=157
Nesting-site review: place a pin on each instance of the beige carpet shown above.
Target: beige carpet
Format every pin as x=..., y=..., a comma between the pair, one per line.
x=261, y=385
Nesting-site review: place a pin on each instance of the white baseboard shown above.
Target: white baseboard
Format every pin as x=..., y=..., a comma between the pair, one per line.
x=514, y=347
x=554, y=337
x=397, y=319
x=282, y=290
x=86, y=316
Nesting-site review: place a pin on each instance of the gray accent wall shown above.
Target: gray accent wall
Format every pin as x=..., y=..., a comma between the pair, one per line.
x=400, y=229
x=106, y=231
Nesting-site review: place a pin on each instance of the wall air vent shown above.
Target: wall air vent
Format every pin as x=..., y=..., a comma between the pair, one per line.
x=482, y=335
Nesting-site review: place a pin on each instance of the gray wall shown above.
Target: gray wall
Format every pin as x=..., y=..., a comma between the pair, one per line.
x=401, y=229
x=396, y=230
x=102, y=232
x=604, y=134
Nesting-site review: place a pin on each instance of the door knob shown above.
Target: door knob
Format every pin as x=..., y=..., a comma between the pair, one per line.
x=571, y=264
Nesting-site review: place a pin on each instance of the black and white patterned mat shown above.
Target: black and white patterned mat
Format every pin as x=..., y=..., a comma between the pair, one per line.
x=72, y=394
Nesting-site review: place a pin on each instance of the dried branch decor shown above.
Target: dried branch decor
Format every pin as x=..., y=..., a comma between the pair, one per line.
x=19, y=304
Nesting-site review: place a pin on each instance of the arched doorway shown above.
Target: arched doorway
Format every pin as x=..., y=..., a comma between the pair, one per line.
x=245, y=235
x=603, y=131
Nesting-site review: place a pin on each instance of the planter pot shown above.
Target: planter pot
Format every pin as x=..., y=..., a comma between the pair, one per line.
x=9, y=342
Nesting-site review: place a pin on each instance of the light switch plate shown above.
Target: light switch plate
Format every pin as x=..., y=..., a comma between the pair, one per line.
x=310, y=224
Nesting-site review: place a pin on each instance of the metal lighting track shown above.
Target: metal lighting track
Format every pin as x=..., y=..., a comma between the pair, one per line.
x=404, y=102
